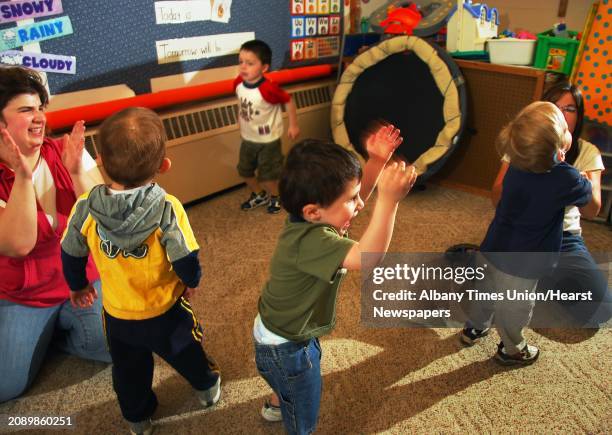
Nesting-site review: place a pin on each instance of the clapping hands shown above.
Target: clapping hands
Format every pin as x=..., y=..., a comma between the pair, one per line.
x=73, y=148
x=396, y=181
x=11, y=155
x=382, y=140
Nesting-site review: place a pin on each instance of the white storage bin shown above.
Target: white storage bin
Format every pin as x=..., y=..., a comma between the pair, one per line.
x=511, y=51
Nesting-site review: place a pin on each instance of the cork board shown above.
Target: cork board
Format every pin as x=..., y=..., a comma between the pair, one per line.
x=495, y=94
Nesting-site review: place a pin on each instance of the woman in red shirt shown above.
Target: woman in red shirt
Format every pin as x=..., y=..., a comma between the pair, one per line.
x=40, y=179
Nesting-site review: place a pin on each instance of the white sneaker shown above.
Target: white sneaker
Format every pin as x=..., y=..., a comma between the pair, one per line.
x=211, y=396
x=271, y=413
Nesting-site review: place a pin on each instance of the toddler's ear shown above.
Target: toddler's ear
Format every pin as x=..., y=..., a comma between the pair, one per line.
x=310, y=213
x=165, y=166
x=559, y=156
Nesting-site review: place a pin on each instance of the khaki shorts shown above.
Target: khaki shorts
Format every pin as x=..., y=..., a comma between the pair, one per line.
x=267, y=158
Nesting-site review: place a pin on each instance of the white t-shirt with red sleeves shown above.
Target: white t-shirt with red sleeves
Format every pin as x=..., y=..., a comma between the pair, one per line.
x=260, y=111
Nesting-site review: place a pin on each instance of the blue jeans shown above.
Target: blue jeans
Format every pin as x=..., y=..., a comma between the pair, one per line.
x=578, y=271
x=293, y=371
x=26, y=333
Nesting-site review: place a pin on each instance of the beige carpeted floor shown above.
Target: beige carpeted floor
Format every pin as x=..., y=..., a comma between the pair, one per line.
x=375, y=380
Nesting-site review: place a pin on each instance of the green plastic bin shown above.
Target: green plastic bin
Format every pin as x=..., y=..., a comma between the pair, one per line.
x=556, y=54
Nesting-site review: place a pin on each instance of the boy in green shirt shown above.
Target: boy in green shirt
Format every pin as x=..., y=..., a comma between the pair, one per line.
x=320, y=188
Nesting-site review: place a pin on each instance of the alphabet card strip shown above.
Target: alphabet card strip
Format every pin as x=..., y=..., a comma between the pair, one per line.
x=311, y=6
x=40, y=31
x=297, y=50
x=328, y=47
x=40, y=61
x=312, y=29
x=335, y=6
x=297, y=7
x=297, y=27
x=22, y=9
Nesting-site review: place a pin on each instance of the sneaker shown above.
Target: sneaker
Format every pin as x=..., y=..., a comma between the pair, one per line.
x=255, y=200
x=144, y=427
x=211, y=396
x=471, y=336
x=274, y=206
x=528, y=355
x=271, y=412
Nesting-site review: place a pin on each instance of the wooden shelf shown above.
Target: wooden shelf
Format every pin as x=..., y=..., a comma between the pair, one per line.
x=496, y=93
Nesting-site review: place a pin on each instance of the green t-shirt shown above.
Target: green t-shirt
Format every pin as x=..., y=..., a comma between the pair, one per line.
x=299, y=300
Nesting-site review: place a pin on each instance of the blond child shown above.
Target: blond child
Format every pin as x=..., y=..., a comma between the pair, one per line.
x=528, y=221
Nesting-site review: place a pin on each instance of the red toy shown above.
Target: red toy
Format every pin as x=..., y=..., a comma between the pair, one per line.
x=402, y=21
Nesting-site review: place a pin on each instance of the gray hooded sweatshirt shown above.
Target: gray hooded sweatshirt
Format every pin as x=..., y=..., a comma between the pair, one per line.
x=123, y=222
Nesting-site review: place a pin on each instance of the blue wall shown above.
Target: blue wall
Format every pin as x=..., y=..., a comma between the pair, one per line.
x=114, y=41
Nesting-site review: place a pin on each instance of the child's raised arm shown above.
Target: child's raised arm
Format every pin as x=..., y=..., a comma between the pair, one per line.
x=396, y=181
x=380, y=146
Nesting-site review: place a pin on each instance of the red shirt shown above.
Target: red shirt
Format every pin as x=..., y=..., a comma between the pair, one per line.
x=37, y=280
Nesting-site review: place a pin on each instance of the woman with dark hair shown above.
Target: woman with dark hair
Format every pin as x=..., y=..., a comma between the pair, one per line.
x=40, y=179
x=576, y=271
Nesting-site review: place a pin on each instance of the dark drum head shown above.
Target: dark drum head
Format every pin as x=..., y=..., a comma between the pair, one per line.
x=401, y=90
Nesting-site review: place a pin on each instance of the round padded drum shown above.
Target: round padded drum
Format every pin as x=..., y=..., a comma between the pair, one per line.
x=412, y=84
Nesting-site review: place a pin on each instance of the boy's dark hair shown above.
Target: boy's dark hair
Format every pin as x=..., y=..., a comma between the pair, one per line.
x=17, y=80
x=316, y=172
x=260, y=49
x=553, y=94
x=132, y=146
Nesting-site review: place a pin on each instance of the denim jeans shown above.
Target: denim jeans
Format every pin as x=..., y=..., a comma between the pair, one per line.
x=577, y=271
x=27, y=332
x=293, y=371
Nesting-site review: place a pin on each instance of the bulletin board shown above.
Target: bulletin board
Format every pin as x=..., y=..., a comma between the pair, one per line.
x=114, y=42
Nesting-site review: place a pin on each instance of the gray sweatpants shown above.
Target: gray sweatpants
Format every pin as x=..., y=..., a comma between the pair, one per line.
x=509, y=316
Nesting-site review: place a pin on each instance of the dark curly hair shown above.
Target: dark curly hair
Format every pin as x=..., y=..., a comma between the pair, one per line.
x=17, y=80
x=316, y=172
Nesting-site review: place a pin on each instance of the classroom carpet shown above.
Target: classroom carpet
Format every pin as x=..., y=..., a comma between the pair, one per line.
x=403, y=380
